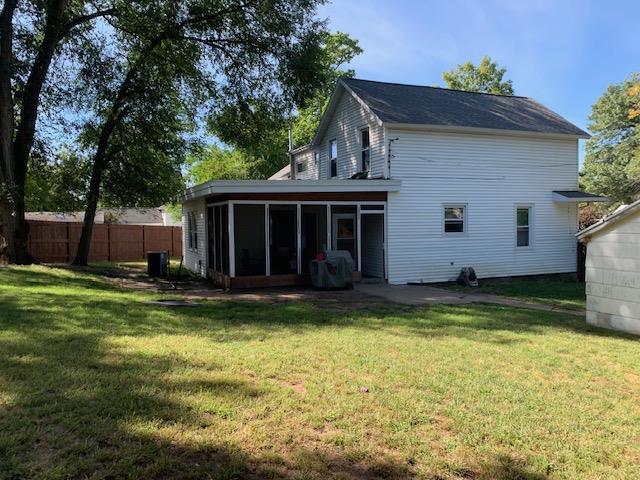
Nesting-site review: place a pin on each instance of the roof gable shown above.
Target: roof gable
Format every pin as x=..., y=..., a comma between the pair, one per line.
x=340, y=89
x=394, y=103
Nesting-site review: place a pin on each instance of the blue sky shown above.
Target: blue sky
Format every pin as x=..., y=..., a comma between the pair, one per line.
x=562, y=53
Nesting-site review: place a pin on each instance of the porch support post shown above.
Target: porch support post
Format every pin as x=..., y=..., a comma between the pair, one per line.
x=358, y=239
x=267, y=250
x=232, y=243
x=329, y=226
x=299, y=237
x=386, y=242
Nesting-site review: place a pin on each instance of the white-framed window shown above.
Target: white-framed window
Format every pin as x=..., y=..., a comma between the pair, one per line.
x=192, y=230
x=300, y=166
x=454, y=218
x=333, y=158
x=365, y=146
x=316, y=158
x=524, y=226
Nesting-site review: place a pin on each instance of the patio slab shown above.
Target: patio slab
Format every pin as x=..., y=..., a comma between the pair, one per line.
x=414, y=294
x=425, y=295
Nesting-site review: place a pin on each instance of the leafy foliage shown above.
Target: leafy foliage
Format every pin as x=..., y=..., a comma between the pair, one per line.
x=57, y=186
x=612, y=160
x=486, y=77
x=217, y=163
x=258, y=130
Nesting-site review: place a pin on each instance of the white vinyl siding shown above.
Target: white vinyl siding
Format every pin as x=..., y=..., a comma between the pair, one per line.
x=310, y=165
x=613, y=276
x=490, y=174
x=347, y=122
x=195, y=259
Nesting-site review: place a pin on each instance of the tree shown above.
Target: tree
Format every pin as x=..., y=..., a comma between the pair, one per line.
x=56, y=186
x=259, y=132
x=143, y=71
x=27, y=48
x=612, y=154
x=486, y=77
x=217, y=163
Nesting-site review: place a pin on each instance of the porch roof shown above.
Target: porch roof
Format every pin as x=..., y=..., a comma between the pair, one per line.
x=218, y=187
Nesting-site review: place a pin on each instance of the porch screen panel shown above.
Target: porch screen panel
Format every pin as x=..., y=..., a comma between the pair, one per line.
x=283, y=239
x=248, y=225
x=313, y=233
x=221, y=242
x=211, y=237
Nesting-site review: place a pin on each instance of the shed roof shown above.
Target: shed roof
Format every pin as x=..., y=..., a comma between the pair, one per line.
x=422, y=105
x=620, y=214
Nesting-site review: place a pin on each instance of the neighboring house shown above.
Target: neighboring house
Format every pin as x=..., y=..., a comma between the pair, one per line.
x=613, y=270
x=117, y=216
x=416, y=182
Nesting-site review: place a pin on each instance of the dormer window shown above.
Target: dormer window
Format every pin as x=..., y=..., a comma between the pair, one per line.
x=365, y=159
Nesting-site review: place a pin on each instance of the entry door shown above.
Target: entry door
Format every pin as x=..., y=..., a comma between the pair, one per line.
x=343, y=232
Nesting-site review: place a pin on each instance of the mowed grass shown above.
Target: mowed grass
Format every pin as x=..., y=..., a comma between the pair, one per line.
x=175, y=270
x=563, y=293
x=97, y=383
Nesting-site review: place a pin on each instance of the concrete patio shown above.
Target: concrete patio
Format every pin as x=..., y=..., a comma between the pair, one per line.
x=426, y=295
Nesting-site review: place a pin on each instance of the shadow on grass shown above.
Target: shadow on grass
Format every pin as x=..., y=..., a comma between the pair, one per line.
x=75, y=405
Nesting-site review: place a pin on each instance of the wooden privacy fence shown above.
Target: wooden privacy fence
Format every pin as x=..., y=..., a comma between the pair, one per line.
x=57, y=242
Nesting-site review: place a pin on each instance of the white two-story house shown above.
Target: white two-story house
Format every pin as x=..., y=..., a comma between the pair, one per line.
x=416, y=182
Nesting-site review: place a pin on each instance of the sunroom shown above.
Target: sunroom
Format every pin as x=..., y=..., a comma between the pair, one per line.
x=265, y=233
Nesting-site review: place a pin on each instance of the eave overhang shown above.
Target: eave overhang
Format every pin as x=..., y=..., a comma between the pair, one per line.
x=576, y=196
x=218, y=187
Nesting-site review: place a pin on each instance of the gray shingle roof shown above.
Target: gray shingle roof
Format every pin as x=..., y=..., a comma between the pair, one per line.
x=420, y=105
x=576, y=194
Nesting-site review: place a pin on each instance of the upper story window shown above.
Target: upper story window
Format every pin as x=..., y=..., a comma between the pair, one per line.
x=524, y=216
x=365, y=160
x=316, y=158
x=455, y=218
x=192, y=228
x=333, y=157
x=300, y=166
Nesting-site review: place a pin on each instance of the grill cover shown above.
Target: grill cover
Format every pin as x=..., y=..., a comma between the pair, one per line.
x=333, y=272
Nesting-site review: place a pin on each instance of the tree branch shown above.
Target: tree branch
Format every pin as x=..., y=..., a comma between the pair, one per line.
x=87, y=18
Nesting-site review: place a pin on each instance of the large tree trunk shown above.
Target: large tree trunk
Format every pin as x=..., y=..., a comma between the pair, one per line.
x=13, y=228
x=14, y=152
x=93, y=195
x=14, y=232
x=100, y=161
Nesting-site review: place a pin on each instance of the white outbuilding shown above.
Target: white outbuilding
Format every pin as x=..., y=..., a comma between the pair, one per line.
x=613, y=270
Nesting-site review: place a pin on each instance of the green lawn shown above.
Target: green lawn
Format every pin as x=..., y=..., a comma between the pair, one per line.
x=567, y=294
x=141, y=266
x=96, y=383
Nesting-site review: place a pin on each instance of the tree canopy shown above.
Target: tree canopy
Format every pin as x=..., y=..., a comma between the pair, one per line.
x=258, y=133
x=612, y=154
x=128, y=82
x=486, y=77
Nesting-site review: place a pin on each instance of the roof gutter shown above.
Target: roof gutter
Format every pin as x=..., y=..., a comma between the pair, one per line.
x=482, y=131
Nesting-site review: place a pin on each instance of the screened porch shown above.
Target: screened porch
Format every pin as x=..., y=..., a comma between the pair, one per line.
x=253, y=243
